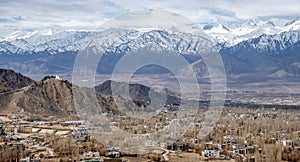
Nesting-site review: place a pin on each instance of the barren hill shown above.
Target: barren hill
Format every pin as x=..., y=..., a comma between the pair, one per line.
x=54, y=97
x=138, y=93
x=10, y=80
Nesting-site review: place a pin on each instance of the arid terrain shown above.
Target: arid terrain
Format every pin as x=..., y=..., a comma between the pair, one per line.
x=39, y=120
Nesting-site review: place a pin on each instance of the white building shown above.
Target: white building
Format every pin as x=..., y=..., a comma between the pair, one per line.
x=287, y=143
x=58, y=77
x=211, y=153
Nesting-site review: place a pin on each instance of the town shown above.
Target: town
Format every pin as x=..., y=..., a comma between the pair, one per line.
x=241, y=134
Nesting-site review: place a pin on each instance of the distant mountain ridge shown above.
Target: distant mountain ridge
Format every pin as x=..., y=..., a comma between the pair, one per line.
x=268, y=44
x=234, y=34
x=55, y=53
x=67, y=41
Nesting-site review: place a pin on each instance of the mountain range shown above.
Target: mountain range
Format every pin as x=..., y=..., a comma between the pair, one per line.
x=232, y=34
x=256, y=47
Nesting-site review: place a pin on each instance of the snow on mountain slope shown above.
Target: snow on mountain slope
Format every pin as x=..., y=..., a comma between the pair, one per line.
x=19, y=35
x=59, y=42
x=164, y=40
x=226, y=34
x=216, y=27
x=218, y=31
x=250, y=29
x=267, y=44
x=255, y=46
x=296, y=20
x=280, y=22
x=292, y=25
x=123, y=41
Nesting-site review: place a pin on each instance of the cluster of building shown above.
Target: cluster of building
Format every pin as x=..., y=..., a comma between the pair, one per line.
x=240, y=134
x=255, y=135
x=36, y=141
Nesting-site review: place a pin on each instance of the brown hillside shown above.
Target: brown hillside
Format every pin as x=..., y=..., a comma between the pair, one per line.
x=54, y=97
x=10, y=80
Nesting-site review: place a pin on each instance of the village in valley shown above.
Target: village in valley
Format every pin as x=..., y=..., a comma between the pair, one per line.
x=246, y=127
x=241, y=134
x=149, y=81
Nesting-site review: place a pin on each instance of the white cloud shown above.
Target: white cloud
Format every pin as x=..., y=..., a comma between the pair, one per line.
x=89, y=14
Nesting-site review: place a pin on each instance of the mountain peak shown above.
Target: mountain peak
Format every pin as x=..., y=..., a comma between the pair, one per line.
x=216, y=27
x=253, y=23
x=271, y=23
x=297, y=19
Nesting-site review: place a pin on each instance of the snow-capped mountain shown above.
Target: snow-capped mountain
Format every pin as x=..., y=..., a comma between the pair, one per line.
x=241, y=46
x=296, y=20
x=56, y=43
x=20, y=42
x=24, y=34
x=218, y=31
x=46, y=54
x=293, y=25
x=267, y=55
x=266, y=44
x=216, y=27
x=18, y=35
x=245, y=31
x=123, y=41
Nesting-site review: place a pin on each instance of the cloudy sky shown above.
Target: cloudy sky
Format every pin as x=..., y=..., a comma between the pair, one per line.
x=89, y=14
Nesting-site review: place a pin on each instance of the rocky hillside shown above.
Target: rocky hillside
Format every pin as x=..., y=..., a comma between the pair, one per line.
x=139, y=94
x=10, y=80
x=136, y=91
x=54, y=97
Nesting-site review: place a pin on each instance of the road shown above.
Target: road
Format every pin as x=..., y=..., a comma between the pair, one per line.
x=165, y=155
x=51, y=152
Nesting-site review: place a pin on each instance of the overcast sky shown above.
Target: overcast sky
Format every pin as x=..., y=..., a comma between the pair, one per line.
x=88, y=14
